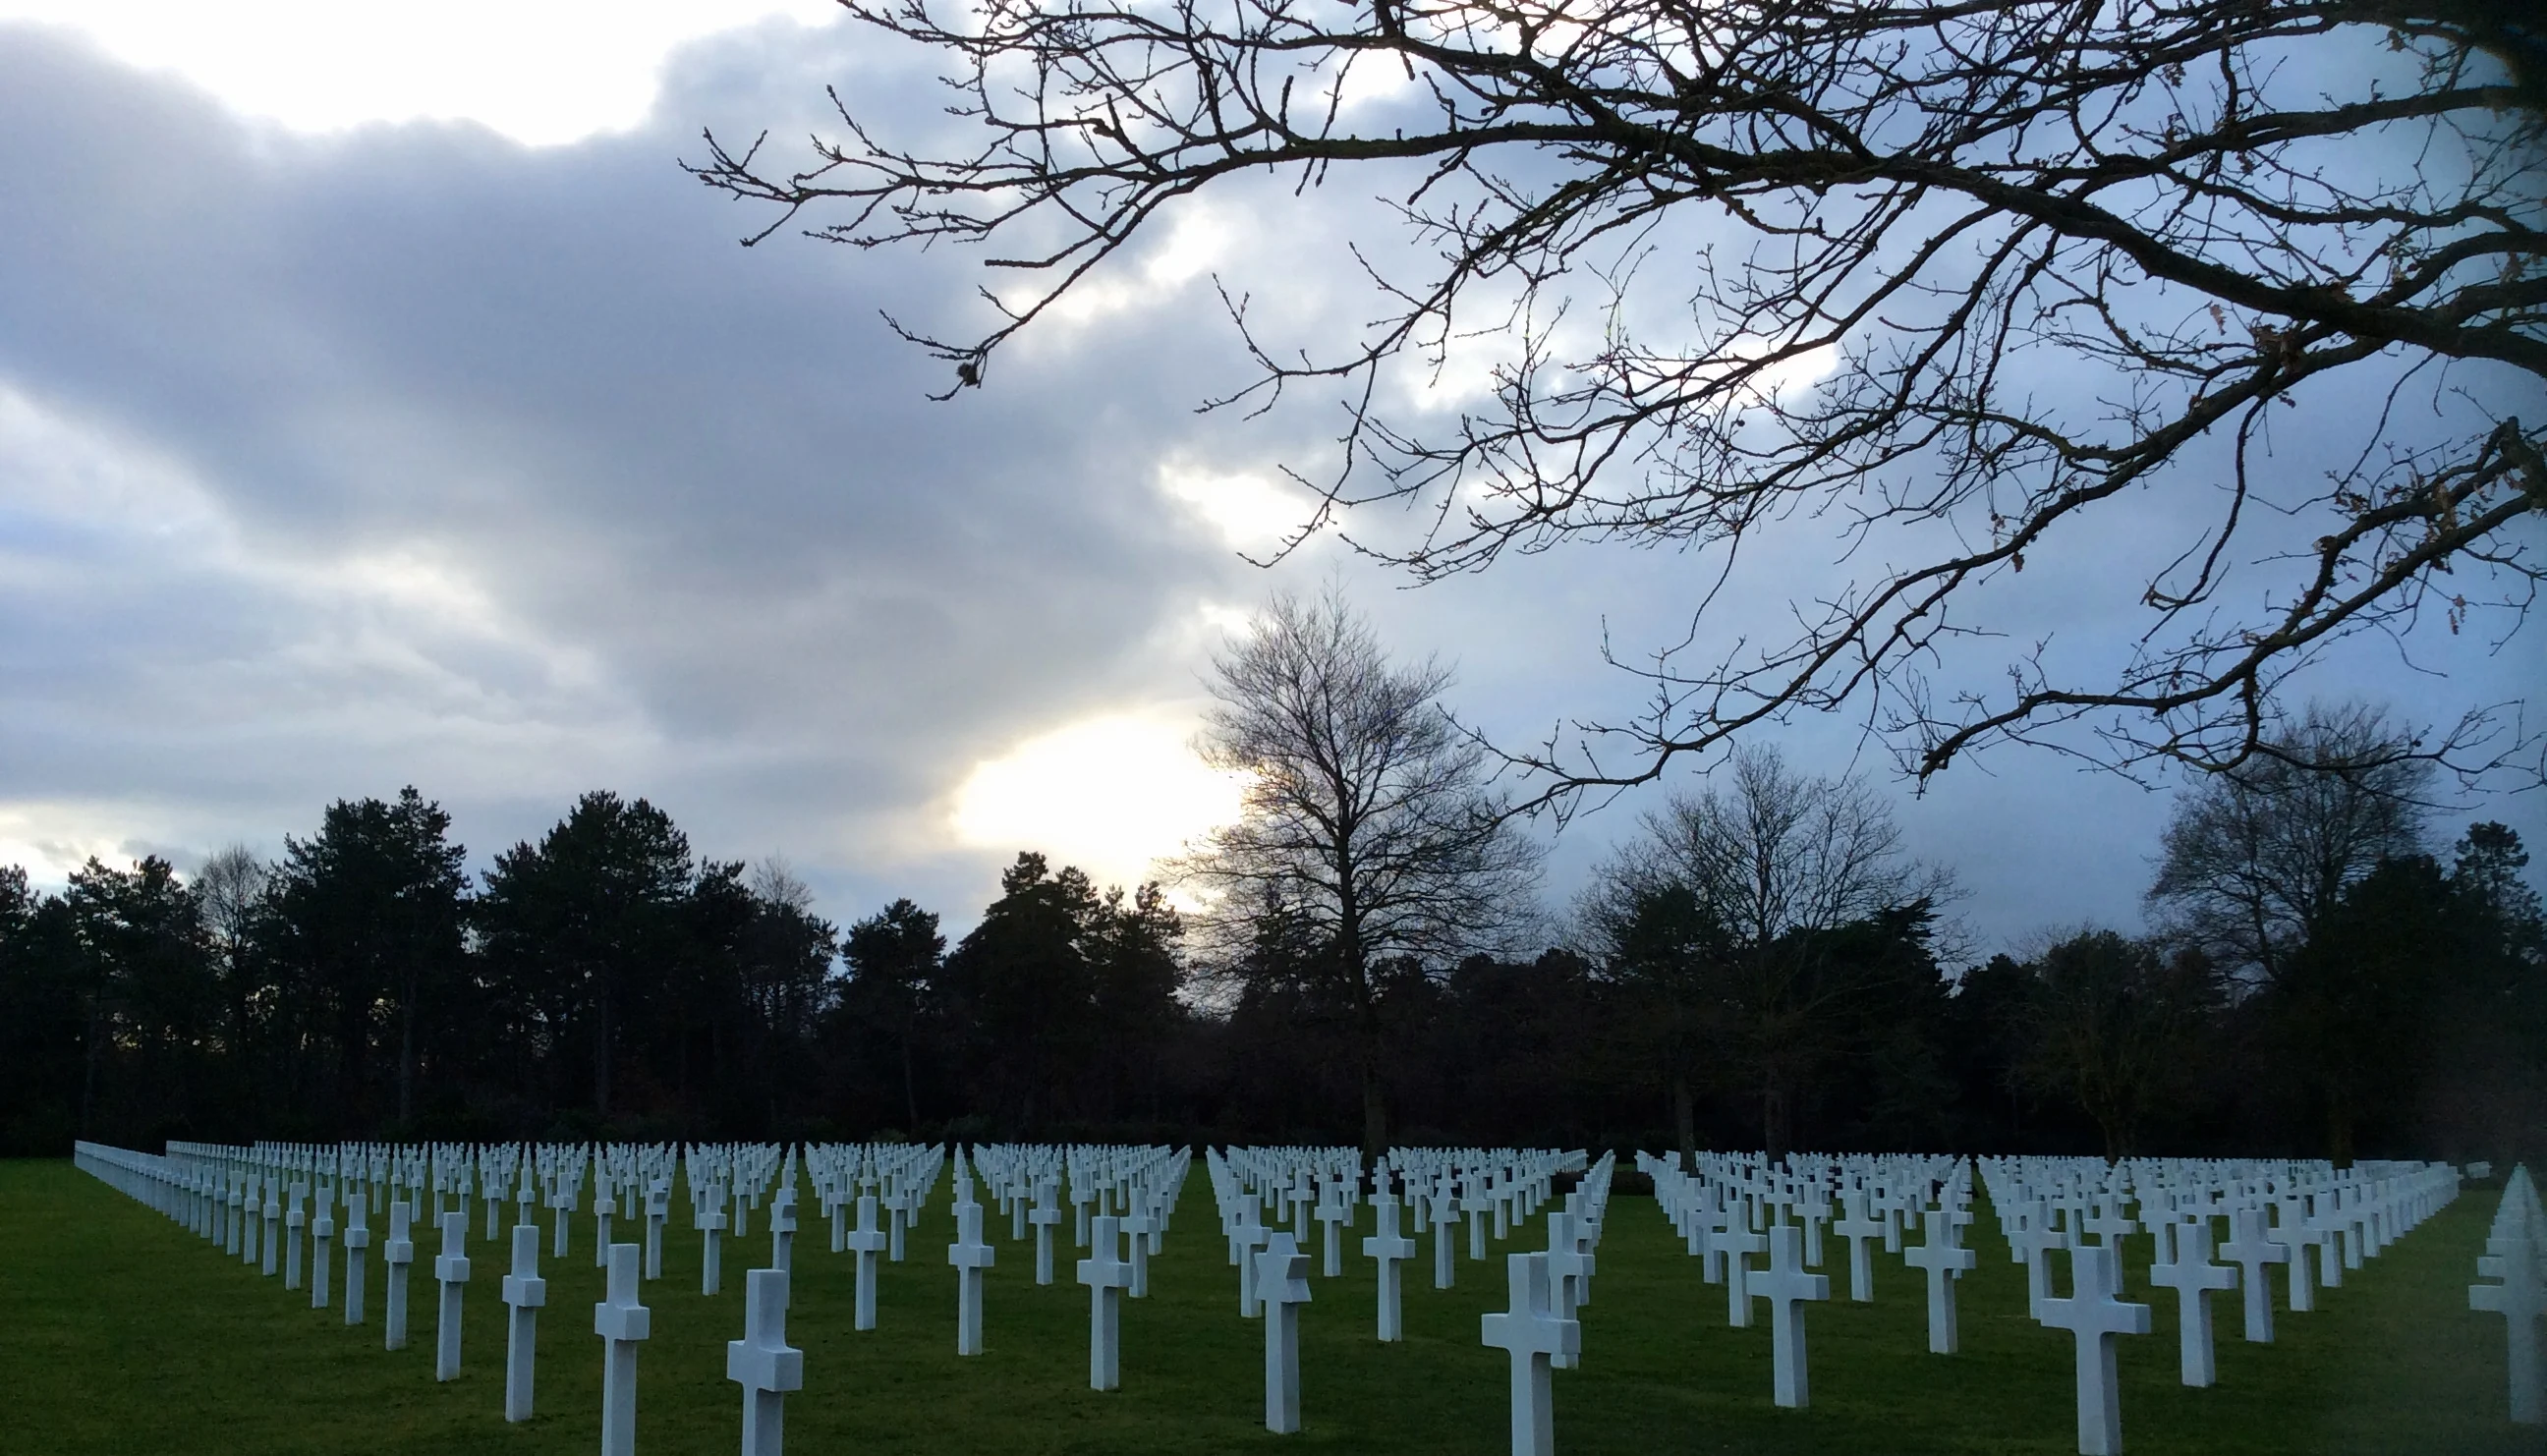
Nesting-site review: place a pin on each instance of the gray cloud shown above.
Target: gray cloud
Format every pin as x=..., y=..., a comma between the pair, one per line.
x=328, y=465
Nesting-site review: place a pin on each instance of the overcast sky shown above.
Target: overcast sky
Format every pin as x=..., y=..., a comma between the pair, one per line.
x=380, y=405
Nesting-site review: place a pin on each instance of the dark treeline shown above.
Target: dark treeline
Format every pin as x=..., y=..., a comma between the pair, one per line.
x=2376, y=998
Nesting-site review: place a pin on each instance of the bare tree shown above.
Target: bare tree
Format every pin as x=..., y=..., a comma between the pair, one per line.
x=1767, y=860
x=229, y=888
x=2254, y=859
x=2056, y=255
x=1367, y=825
x=2111, y=1021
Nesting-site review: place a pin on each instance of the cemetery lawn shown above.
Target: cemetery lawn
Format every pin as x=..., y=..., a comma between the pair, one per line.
x=119, y=1333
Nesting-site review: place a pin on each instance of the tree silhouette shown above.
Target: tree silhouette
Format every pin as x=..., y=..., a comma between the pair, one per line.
x=1365, y=821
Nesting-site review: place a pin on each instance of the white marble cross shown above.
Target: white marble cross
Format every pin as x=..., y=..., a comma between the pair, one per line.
x=1282, y=1279
x=398, y=1253
x=2250, y=1250
x=622, y=1323
x=1446, y=1227
x=561, y=1205
x=1813, y=1210
x=1857, y=1228
x=970, y=1256
x=712, y=1248
x=1140, y=1227
x=270, y=1212
x=868, y=1243
x=524, y=1293
x=451, y=1271
x=2029, y=1243
x=1044, y=1215
x=1535, y=1337
x=2095, y=1317
x=1389, y=1248
x=1249, y=1239
x=1106, y=1275
x=1332, y=1215
x=2325, y=1225
x=765, y=1364
x=2290, y=1229
x=658, y=1203
x=1739, y=1244
x=2192, y=1275
x=2521, y=1300
x=1786, y=1286
x=904, y=1208
x=1475, y=1205
x=322, y=1246
x=293, y=1221
x=1945, y=1263
x=782, y=1231
x=358, y=1239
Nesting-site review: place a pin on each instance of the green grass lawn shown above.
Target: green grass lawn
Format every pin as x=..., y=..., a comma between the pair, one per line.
x=121, y=1332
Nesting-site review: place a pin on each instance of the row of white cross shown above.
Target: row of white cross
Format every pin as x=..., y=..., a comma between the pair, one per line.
x=1538, y=1333
x=1732, y=1210
x=1734, y=1206
x=2515, y=1256
x=235, y=1197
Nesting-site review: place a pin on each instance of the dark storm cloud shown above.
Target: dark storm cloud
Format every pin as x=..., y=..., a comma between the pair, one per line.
x=328, y=465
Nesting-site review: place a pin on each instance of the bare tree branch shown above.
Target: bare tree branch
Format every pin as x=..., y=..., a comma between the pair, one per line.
x=2201, y=215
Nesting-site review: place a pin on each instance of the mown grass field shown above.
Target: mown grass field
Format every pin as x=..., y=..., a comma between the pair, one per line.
x=119, y=1333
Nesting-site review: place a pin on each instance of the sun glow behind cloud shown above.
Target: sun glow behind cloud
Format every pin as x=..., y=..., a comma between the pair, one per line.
x=1108, y=794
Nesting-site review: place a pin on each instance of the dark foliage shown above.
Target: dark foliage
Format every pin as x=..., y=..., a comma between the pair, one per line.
x=605, y=982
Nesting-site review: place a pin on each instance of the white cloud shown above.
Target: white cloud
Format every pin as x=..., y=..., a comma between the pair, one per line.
x=540, y=71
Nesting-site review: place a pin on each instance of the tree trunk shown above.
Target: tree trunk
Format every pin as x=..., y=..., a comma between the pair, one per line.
x=1773, y=1119
x=407, y=1054
x=2338, y=1126
x=909, y=1097
x=602, y=1046
x=1683, y=1120
x=88, y=1076
x=1374, y=1111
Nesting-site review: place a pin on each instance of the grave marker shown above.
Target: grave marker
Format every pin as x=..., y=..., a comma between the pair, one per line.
x=658, y=1202
x=399, y=1252
x=1857, y=1228
x=1282, y=1279
x=868, y=1242
x=357, y=1239
x=2095, y=1317
x=711, y=1248
x=765, y=1364
x=524, y=1293
x=293, y=1221
x=1739, y=1244
x=1248, y=1239
x=1535, y=1337
x=451, y=1271
x=970, y=1256
x=1945, y=1263
x=1390, y=1250
x=2250, y=1250
x=2192, y=1275
x=1331, y=1215
x=322, y=1246
x=1044, y=1216
x=622, y=1323
x=1786, y=1286
x=1106, y=1276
